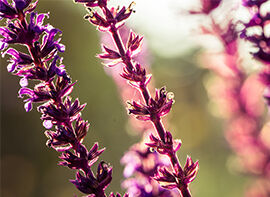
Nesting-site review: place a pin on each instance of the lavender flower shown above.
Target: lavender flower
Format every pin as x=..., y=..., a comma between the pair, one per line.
x=153, y=108
x=59, y=112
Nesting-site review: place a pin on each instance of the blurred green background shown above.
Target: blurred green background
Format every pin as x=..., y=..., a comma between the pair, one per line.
x=28, y=167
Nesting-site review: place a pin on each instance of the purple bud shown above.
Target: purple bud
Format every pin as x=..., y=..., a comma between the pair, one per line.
x=47, y=124
x=24, y=82
x=28, y=106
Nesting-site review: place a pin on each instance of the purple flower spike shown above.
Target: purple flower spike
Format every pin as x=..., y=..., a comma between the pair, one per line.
x=148, y=108
x=61, y=116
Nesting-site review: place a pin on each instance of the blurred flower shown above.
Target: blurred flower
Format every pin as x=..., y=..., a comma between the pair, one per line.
x=207, y=6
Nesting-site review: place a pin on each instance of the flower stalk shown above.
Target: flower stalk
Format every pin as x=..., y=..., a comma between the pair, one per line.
x=153, y=108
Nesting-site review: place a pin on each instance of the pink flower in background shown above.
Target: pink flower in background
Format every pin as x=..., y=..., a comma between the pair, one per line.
x=238, y=98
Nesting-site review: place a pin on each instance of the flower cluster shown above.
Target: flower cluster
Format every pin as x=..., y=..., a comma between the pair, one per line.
x=61, y=116
x=260, y=39
x=233, y=90
x=150, y=109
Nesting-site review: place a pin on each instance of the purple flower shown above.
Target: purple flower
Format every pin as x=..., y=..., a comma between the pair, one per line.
x=61, y=139
x=54, y=70
x=82, y=160
x=113, y=17
x=62, y=117
x=168, y=147
x=18, y=59
x=14, y=33
x=49, y=45
x=63, y=114
x=160, y=106
x=170, y=180
x=15, y=10
x=150, y=108
x=89, y=184
x=39, y=94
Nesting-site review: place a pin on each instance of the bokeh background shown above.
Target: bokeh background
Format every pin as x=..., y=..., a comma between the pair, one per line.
x=28, y=167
